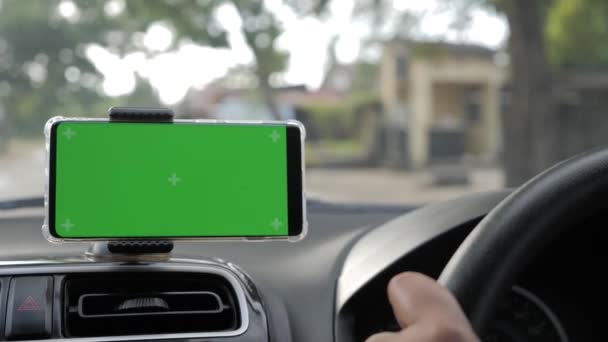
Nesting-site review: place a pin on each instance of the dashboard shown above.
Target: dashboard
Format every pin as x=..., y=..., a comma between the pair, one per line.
x=329, y=287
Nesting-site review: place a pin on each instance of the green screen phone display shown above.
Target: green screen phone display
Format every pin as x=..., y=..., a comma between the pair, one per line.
x=130, y=180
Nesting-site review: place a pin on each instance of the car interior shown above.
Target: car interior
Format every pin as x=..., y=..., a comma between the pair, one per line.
x=500, y=253
x=463, y=146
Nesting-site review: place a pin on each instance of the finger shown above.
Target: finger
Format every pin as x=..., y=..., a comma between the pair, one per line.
x=383, y=337
x=416, y=298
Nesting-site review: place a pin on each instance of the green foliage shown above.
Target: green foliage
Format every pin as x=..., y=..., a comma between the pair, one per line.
x=320, y=153
x=365, y=77
x=33, y=39
x=340, y=120
x=576, y=32
x=37, y=46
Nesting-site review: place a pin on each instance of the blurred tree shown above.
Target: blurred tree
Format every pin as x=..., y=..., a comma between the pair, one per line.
x=530, y=125
x=365, y=78
x=545, y=37
x=574, y=28
x=44, y=69
x=196, y=21
x=261, y=30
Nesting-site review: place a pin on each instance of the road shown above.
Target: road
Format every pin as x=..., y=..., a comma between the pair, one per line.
x=386, y=186
x=22, y=170
x=22, y=175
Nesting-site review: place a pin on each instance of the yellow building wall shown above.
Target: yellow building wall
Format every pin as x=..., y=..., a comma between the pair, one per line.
x=434, y=93
x=443, y=83
x=448, y=102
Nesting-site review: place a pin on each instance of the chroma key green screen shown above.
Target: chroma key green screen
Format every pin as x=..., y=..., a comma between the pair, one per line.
x=121, y=180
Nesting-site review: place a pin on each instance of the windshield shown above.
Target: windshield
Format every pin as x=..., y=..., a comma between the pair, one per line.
x=404, y=102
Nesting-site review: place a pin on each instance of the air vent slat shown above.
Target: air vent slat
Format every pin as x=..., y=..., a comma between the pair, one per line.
x=135, y=304
x=142, y=305
x=159, y=303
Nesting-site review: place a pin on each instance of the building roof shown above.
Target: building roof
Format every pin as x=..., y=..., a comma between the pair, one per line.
x=446, y=47
x=302, y=98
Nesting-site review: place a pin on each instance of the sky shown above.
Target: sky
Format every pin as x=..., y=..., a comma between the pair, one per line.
x=306, y=39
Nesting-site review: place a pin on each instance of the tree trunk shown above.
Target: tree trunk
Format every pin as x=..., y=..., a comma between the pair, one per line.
x=268, y=96
x=262, y=72
x=530, y=125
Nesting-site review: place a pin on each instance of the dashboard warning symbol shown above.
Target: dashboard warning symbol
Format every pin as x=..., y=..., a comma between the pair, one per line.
x=29, y=304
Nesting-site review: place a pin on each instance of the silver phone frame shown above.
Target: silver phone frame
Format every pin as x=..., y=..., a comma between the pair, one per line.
x=57, y=119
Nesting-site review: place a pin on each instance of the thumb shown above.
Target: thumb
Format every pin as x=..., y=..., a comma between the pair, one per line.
x=416, y=298
x=427, y=312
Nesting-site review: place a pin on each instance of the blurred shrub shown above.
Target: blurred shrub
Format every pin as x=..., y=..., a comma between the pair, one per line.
x=339, y=121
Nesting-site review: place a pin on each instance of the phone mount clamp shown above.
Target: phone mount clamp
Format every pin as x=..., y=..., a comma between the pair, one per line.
x=134, y=250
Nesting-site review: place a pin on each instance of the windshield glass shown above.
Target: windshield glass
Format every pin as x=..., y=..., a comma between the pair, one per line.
x=404, y=102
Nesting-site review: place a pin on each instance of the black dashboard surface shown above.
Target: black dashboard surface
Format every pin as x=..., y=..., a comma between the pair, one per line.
x=303, y=275
x=350, y=242
x=338, y=273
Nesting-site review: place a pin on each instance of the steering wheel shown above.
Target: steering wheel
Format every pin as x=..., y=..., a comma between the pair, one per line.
x=488, y=262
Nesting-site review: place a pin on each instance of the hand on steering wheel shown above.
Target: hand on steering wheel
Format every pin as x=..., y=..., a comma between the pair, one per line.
x=426, y=311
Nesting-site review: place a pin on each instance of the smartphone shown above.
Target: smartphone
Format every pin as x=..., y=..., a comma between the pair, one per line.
x=187, y=179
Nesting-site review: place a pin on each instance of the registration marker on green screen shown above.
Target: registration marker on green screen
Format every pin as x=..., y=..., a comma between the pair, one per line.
x=131, y=180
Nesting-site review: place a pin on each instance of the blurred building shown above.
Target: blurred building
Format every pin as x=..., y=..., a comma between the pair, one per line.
x=441, y=101
x=217, y=101
x=235, y=97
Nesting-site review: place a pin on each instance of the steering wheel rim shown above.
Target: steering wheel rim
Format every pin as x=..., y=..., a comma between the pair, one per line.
x=487, y=263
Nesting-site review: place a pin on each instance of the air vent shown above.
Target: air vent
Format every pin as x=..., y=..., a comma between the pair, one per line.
x=150, y=303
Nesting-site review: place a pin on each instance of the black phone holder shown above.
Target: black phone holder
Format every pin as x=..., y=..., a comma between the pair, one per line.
x=140, y=114
x=134, y=249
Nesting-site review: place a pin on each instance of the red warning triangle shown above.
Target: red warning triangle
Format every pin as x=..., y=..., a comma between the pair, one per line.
x=29, y=304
